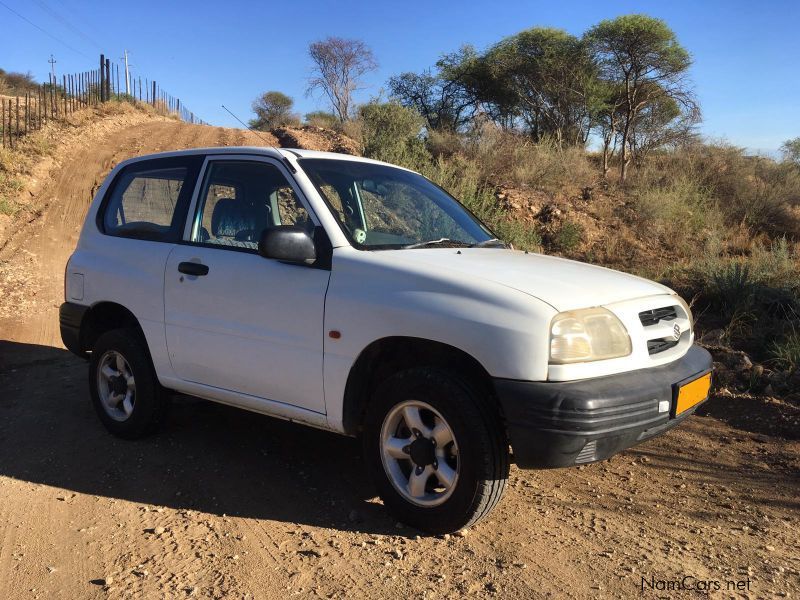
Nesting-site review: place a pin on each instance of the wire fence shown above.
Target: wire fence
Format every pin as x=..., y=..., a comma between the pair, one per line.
x=56, y=100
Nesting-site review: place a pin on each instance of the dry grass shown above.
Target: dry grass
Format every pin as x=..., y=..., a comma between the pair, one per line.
x=510, y=158
x=758, y=192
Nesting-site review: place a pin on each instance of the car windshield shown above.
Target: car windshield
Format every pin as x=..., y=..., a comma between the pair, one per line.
x=384, y=207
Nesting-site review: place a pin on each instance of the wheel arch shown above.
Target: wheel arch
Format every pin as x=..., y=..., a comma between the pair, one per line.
x=389, y=355
x=105, y=316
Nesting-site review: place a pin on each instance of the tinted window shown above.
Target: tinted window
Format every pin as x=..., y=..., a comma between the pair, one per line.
x=239, y=199
x=144, y=202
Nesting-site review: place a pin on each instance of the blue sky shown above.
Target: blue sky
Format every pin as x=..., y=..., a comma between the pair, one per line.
x=746, y=53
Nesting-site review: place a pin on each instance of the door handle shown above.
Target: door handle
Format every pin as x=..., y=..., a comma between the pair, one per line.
x=193, y=268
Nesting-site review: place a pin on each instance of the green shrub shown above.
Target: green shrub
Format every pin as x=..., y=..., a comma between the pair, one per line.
x=568, y=236
x=520, y=235
x=443, y=143
x=732, y=289
x=7, y=160
x=391, y=132
x=786, y=352
x=7, y=207
x=768, y=279
x=320, y=118
x=679, y=207
x=463, y=180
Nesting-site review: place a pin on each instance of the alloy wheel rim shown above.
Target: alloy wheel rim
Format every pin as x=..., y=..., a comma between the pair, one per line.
x=116, y=386
x=419, y=453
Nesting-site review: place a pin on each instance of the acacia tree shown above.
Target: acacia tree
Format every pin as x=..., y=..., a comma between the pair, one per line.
x=662, y=123
x=791, y=150
x=549, y=77
x=273, y=109
x=477, y=83
x=339, y=66
x=640, y=56
x=609, y=116
x=443, y=103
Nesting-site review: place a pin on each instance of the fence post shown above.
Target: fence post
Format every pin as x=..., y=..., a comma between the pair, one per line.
x=154, y=93
x=102, y=86
x=108, y=79
x=3, y=121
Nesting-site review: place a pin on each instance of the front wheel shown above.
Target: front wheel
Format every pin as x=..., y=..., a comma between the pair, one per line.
x=437, y=450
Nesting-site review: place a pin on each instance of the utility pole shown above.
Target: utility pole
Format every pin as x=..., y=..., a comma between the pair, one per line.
x=52, y=62
x=127, y=74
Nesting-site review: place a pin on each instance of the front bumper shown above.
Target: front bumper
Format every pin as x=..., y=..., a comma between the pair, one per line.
x=559, y=424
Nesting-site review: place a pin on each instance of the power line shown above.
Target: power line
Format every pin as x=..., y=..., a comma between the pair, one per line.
x=57, y=16
x=60, y=41
x=258, y=133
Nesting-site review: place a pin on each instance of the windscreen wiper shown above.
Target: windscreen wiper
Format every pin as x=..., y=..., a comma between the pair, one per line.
x=440, y=242
x=490, y=243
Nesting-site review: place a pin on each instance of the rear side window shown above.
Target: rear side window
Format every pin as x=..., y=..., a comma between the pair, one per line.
x=148, y=200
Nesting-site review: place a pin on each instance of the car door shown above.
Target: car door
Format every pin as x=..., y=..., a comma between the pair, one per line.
x=237, y=321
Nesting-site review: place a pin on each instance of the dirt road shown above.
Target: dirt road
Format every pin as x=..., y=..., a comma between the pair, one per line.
x=227, y=503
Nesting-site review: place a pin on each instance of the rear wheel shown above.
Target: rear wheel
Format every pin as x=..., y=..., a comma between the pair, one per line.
x=125, y=391
x=436, y=449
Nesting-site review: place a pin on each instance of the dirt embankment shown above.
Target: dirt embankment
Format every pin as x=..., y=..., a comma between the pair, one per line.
x=225, y=503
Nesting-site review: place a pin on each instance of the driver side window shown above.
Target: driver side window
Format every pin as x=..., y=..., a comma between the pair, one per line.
x=240, y=199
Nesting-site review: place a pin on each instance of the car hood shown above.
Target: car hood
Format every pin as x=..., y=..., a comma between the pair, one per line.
x=561, y=283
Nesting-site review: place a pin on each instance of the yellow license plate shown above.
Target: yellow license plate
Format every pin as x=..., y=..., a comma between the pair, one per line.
x=693, y=393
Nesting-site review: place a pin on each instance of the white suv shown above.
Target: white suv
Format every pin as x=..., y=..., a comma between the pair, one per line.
x=359, y=297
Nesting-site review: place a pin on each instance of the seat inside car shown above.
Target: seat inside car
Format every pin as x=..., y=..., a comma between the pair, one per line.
x=238, y=223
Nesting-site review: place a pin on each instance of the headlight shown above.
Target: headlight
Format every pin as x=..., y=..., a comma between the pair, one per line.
x=586, y=335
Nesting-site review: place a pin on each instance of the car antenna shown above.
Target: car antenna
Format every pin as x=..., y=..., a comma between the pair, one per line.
x=289, y=165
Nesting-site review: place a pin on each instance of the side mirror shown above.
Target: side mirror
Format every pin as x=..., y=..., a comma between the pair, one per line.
x=288, y=243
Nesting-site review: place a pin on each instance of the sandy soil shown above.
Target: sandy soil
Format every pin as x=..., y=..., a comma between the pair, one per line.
x=225, y=503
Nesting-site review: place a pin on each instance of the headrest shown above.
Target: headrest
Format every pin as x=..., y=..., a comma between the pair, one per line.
x=232, y=216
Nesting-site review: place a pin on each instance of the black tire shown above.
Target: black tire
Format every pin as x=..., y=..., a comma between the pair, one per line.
x=151, y=402
x=483, y=454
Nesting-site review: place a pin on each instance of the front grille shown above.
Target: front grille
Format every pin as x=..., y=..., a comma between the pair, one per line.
x=656, y=346
x=654, y=315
